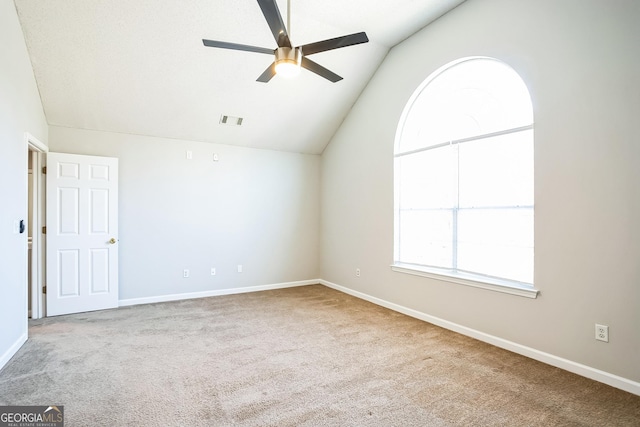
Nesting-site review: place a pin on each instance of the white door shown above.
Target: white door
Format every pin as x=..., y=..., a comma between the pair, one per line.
x=82, y=233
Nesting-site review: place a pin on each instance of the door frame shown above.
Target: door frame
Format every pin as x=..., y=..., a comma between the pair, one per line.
x=38, y=309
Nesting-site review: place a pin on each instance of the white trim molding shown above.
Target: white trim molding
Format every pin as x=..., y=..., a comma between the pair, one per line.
x=35, y=143
x=473, y=280
x=12, y=350
x=568, y=365
x=215, y=293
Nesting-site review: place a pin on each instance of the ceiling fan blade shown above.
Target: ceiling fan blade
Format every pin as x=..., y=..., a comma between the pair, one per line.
x=276, y=24
x=338, y=42
x=268, y=74
x=236, y=46
x=320, y=70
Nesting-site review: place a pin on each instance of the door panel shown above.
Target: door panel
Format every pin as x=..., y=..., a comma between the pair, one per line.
x=82, y=220
x=68, y=273
x=68, y=215
x=99, y=271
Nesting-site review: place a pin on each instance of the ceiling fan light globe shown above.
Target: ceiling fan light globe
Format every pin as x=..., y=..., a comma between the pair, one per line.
x=287, y=69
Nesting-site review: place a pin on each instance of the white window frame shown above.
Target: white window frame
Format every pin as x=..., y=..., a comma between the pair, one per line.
x=451, y=275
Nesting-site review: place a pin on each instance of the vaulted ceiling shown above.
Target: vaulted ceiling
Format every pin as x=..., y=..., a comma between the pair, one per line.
x=140, y=67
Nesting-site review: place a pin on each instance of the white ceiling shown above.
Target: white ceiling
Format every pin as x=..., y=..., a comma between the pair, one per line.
x=139, y=66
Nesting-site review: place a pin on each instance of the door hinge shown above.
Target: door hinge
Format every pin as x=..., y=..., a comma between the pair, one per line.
x=44, y=170
x=44, y=229
x=44, y=289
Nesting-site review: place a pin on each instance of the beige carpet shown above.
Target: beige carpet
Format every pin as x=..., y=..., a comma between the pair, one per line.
x=307, y=356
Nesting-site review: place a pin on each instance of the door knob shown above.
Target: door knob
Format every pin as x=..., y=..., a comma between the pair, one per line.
x=112, y=241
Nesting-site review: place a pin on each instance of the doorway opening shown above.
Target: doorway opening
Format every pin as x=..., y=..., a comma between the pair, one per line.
x=30, y=231
x=35, y=221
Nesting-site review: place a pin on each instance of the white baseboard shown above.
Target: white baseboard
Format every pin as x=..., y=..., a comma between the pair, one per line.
x=214, y=293
x=568, y=365
x=13, y=350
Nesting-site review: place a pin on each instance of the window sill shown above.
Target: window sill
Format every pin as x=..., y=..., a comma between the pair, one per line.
x=489, y=283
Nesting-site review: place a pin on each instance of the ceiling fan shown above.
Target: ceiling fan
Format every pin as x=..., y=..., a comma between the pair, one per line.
x=289, y=59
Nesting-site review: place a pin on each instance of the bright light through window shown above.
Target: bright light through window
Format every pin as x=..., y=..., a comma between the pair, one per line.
x=464, y=174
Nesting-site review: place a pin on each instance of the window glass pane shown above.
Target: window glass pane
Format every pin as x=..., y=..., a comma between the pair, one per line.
x=427, y=179
x=426, y=237
x=497, y=171
x=496, y=242
x=473, y=97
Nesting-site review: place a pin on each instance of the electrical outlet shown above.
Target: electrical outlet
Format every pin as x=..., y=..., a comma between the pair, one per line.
x=213, y=271
x=602, y=333
x=189, y=154
x=239, y=268
x=185, y=273
x=357, y=272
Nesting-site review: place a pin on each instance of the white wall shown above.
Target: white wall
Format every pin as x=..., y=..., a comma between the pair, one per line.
x=581, y=61
x=257, y=208
x=20, y=112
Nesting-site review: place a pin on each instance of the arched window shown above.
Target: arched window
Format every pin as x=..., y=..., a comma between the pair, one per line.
x=464, y=176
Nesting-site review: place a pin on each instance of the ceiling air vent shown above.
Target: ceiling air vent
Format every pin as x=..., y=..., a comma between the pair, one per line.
x=230, y=120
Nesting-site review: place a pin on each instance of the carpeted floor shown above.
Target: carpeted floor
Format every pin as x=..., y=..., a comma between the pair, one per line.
x=307, y=356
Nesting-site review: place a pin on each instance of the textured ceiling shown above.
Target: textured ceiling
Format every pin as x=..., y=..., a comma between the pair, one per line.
x=139, y=66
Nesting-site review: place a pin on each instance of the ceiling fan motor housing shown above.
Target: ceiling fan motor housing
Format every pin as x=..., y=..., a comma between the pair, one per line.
x=289, y=55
